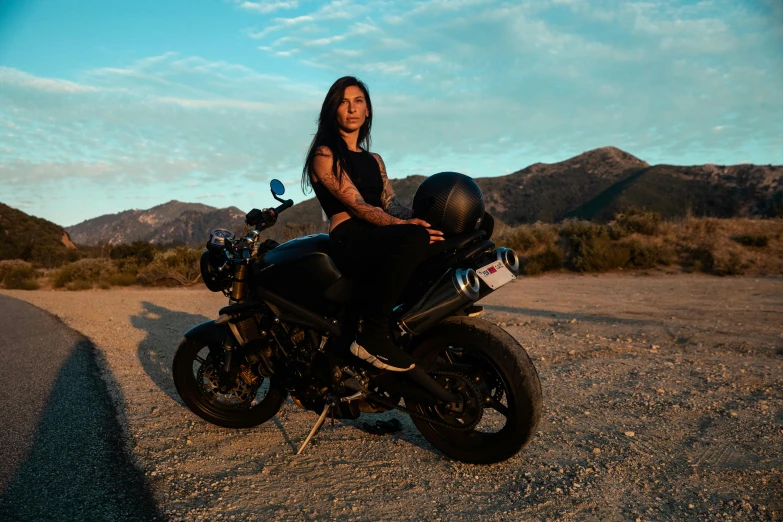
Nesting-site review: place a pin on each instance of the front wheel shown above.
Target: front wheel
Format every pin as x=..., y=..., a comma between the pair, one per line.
x=243, y=406
x=510, y=397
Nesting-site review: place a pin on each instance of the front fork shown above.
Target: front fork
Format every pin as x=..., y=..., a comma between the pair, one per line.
x=227, y=372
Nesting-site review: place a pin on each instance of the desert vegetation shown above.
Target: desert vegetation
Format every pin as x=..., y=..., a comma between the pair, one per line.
x=639, y=239
x=635, y=239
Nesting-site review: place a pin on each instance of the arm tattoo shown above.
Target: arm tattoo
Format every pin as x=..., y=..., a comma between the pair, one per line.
x=389, y=199
x=345, y=191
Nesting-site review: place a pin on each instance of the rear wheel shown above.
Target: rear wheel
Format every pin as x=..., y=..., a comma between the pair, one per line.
x=242, y=406
x=510, y=396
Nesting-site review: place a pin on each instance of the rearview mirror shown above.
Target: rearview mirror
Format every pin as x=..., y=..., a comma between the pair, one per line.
x=277, y=187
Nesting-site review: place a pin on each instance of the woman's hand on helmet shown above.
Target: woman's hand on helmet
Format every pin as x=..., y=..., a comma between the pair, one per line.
x=435, y=235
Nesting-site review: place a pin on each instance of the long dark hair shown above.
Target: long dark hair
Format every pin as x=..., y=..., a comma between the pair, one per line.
x=328, y=133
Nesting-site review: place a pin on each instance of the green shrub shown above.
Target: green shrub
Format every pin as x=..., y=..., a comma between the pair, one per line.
x=179, y=266
x=104, y=285
x=18, y=275
x=752, y=240
x=588, y=247
x=551, y=258
x=635, y=221
x=122, y=279
x=705, y=258
x=26, y=284
x=79, y=284
x=86, y=270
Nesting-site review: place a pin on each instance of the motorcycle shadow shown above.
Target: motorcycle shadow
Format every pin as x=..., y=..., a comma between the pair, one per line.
x=164, y=330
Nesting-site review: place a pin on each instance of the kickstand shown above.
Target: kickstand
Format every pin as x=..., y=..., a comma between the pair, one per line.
x=318, y=424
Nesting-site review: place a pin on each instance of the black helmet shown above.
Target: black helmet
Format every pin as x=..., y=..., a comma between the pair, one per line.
x=449, y=201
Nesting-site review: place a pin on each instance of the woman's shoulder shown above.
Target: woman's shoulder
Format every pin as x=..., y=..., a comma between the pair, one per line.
x=379, y=159
x=323, y=150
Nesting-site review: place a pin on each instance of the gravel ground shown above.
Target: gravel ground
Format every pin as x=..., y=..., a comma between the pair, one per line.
x=663, y=400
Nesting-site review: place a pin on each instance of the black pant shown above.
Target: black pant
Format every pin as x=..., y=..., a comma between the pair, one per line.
x=380, y=260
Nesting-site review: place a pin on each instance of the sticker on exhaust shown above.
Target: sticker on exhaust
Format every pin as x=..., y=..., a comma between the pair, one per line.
x=495, y=274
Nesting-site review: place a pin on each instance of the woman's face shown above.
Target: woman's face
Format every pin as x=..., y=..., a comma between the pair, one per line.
x=353, y=111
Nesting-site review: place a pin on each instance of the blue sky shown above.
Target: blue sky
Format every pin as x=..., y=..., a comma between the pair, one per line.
x=109, y=105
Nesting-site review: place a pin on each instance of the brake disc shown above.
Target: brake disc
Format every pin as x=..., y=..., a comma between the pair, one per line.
x=240, y=396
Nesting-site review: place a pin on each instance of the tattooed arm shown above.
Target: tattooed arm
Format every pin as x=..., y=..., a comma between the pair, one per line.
x=389, y=199
x=347, y=193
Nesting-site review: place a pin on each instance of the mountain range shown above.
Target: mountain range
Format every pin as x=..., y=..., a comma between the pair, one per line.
x=593, y=185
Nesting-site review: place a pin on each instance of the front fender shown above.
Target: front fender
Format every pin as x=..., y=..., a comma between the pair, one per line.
x=208, y=333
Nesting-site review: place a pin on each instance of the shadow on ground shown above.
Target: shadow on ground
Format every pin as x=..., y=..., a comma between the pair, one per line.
x=165, y=329
x=580, y=316
x=76, y=467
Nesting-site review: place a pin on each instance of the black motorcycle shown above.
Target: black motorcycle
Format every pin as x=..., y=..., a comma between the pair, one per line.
x=474, y=394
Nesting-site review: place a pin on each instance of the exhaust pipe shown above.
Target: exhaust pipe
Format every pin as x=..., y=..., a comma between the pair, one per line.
x=509, y=258
x=452, y=292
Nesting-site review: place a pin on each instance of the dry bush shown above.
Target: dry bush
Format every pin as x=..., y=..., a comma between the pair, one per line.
x=752, y=240
x=638, y=239
x=18, y=275
x=177, y=267
x=535, y=244
x=635, y=221
x=709, y=245
x=90, y=271
x=122, y=279
x=648, y=252
x=588, y=247
x=79, y=284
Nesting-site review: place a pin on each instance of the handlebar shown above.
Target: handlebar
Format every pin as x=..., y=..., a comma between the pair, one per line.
x=287, y=204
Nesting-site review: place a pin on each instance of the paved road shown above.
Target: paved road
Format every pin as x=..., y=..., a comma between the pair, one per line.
x=61, y=455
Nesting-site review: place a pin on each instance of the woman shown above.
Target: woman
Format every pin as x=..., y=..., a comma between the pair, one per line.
x=373, y=237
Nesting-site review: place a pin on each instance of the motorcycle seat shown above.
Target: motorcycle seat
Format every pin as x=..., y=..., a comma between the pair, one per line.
x=454, y=242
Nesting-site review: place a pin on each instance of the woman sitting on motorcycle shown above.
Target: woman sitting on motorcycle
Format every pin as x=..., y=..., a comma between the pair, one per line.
x=373, y=238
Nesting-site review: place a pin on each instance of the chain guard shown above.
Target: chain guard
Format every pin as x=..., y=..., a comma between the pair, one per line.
x=474, y=392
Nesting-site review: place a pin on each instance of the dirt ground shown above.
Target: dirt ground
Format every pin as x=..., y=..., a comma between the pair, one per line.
x=663, y=400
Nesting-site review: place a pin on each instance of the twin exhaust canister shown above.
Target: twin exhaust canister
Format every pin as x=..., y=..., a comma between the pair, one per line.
x=455, y=290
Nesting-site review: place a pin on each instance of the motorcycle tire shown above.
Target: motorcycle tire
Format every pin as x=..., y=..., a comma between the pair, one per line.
x=505, y=361
x=186, y=382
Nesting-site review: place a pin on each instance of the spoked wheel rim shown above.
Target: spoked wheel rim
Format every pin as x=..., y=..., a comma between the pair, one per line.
x=498, y=415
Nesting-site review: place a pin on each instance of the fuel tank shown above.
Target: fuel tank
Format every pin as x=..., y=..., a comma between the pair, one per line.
x=302, y=271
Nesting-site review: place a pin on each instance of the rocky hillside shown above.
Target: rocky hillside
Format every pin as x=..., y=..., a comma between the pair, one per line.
x=703, y=190
x=593, y=185
x=30, y=238
x=161, y=224
x=549, y=192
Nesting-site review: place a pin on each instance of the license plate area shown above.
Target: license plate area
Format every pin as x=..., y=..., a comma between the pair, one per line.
x=495, y=274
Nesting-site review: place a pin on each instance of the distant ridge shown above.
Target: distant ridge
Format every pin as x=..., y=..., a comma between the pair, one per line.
x=593, y=185
x=134, y=225
x=31, y=238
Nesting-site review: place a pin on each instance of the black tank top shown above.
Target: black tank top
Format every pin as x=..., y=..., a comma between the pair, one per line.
x=366, y=176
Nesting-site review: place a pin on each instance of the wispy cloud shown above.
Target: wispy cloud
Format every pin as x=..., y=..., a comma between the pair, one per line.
x=479, y=85
x=17, y=78
x=265, y=7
